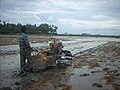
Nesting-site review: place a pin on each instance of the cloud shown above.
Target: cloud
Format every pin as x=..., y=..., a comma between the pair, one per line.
x=102, y=17
x=24, y=18
x=89, y=24
x=67, y=14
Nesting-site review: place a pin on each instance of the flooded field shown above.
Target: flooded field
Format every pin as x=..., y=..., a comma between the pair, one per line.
x=96, y=66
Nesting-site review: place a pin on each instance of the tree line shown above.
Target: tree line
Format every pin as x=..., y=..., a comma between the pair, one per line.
x=8, y=28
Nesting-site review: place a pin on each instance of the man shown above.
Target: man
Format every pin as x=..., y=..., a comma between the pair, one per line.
x=25, y=49
x=56, y=47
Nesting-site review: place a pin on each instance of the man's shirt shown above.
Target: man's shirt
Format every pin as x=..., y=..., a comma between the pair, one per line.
x=24, y=44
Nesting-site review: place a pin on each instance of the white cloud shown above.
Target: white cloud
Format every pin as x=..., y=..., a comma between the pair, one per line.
x=102, y=17
x=50, y=18
x=77, y=14
x=89, y=24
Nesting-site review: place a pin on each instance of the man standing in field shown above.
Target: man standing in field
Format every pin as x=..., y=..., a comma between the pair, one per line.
x=25, y=49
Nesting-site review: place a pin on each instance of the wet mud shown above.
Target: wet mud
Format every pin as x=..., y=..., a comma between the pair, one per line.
x=93, y=68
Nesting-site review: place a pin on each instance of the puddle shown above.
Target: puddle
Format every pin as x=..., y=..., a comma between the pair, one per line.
x=86, y=82
x=9, y=65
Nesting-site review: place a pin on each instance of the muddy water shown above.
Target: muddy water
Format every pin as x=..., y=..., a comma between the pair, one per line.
x=75, y=44
x=9, y=64
x=86, y=82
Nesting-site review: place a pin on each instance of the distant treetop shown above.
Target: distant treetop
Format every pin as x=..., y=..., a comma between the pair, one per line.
x=8, y=28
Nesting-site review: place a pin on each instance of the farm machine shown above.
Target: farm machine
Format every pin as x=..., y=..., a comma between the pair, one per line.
x=52, y=56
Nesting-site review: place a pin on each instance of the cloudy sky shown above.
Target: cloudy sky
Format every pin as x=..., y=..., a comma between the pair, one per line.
x=71, y=16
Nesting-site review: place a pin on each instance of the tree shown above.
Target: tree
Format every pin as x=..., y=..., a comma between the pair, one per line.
x=7, y=28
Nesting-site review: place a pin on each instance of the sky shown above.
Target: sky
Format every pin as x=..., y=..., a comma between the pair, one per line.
x=71, y=16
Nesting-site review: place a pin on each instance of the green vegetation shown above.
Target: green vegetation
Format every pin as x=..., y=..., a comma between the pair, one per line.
x=8, y=28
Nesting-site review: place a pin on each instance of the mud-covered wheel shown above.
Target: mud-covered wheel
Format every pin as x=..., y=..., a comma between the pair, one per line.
x=65, y=57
